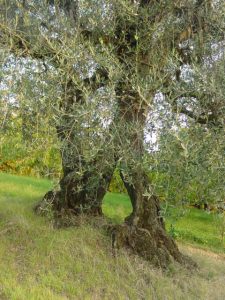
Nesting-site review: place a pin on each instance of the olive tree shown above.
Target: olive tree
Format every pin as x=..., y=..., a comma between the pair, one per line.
x=115, y=56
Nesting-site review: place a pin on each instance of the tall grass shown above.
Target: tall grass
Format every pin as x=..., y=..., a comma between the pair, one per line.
x=40, y=262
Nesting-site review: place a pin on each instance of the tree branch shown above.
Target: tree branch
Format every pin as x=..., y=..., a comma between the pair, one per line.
x=203, y=118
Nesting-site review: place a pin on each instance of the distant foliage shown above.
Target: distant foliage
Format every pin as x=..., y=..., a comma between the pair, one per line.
x=17, y=158
x=116, y=185
x=37, y=155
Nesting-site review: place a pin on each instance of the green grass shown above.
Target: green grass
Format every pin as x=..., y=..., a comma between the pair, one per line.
x=199, y=228
x=116, y=207
x=40, y=262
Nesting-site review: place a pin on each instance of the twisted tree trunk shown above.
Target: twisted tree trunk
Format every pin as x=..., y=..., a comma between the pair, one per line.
x=84, y=182
x=144, y=230
x=83, y=193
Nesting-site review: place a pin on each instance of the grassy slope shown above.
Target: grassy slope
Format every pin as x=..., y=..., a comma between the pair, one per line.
x=39, y=262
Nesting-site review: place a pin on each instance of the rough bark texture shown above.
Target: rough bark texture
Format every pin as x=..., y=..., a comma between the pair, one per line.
x=144, y=230
x=81, y=193
x=84, y=183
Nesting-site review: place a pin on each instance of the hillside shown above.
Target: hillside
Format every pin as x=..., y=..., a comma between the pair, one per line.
x=38, y=261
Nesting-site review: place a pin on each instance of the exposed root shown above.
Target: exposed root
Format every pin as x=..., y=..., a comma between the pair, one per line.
x=63, y=215
x=154, y=246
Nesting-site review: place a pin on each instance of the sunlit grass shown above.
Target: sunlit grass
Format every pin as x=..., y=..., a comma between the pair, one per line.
x=116, y=206
x=40, y=262
x=200, y=228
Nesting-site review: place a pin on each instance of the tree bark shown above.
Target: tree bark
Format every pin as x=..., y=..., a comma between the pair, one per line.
x=82, y=188
x=143, y=230
x=84, y=182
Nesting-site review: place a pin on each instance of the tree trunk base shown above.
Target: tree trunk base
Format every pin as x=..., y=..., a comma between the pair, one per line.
x=63, y=215
x=155, y=245
x=49, y=202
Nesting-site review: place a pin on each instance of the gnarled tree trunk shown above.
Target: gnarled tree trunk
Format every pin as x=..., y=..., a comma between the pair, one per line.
x=83, y=193
x=144, y=230
x=80, y=193
x=84, y=182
